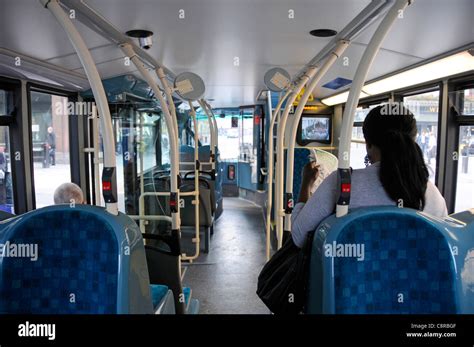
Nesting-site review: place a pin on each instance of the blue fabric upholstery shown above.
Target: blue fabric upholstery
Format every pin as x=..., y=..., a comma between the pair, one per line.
x=187, y=294
x=405, y=259
x=408, y=265
x=158, y=292
x=81, y=266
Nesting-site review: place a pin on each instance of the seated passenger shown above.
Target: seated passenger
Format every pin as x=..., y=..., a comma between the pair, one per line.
x=68, y=193
x=398, y=175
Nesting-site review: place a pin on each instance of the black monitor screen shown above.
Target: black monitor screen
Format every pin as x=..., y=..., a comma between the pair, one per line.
x=314, y=129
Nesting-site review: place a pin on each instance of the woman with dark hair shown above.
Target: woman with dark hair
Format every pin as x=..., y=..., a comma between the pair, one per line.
x=398, y=175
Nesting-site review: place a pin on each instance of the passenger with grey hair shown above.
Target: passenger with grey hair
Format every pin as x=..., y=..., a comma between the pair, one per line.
x=68, y=193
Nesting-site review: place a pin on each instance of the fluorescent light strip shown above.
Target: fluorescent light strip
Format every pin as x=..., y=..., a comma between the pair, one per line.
x=340, y=98
x=444, y=67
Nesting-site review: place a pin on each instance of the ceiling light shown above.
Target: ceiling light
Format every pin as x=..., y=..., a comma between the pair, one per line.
x=340, y=98
x=441, y=68
x=437, y=69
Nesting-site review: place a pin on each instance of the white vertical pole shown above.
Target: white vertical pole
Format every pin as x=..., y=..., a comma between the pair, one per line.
x=213, y=145
x=172, y=109
x=270, y=164
x=142, y=179
x=174, y=169
x=96, y=86
x=356, y=87
x=197, y=240
x=279, y=170
x=336, y=53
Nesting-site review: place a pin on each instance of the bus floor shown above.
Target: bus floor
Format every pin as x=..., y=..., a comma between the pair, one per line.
x=225, y=280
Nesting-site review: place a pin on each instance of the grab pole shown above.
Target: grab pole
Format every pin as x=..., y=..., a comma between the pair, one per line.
x=270, y=164
x=290, y=153
x=174, y=162
x=344, y=174
x=279, y=169
x=109, y=178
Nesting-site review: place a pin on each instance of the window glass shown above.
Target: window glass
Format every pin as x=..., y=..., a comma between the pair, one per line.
x=3, y=102
x=6, y=185
x=246, y=151
x=204, y=131
x=358, y=150
x=465, y=179
x=6, y=102
x=147, y=139
x=228, y=132
x=50, y=135
x=468, y=102
x=165, y=144
x=425, y=108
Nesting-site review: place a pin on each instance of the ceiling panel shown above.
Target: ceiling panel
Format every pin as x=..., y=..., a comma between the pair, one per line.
x=257, y=32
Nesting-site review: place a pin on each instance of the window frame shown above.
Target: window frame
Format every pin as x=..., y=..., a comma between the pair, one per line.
x=454, y=122
x=432, y=87
x=15, y=130
x=73, y=126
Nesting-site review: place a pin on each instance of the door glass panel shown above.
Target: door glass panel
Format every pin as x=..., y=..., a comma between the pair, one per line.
x=228, y=132
x=465, y=179
x=6, y=185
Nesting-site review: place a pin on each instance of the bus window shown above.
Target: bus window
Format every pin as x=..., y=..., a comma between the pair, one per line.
x=50, y=136
x=165, y=145
x=468, y=102
x=465, y=179
x=204, y=131
x=425, y=108
x=4, y=102
x=358, y=150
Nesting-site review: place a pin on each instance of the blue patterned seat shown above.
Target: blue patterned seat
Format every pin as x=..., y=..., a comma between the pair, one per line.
x=411, y=263
x=88, y=262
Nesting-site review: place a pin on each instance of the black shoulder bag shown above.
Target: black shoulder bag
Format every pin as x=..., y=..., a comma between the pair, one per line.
x=283, y=280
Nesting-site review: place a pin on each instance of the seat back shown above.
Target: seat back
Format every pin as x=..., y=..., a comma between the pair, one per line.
x=186, y=155
x=211, y=184
x=388, y=260
x=79, y=260
x=5, y=215
x=187, y=213
x=163, y=267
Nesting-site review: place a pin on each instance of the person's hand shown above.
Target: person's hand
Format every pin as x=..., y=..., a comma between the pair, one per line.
x=310, y=173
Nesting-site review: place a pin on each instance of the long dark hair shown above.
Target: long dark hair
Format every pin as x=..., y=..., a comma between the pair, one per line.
x=403, y=172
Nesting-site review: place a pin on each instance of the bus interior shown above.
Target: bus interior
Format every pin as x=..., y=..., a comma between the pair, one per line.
x=187, y=125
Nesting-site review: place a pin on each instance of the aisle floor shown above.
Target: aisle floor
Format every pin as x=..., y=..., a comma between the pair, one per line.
x=225, y=280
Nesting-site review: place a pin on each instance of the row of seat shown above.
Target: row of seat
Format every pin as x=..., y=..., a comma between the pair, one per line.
x=210, y=198
x=392, y=260
x=163, y=248
x=81, y=260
